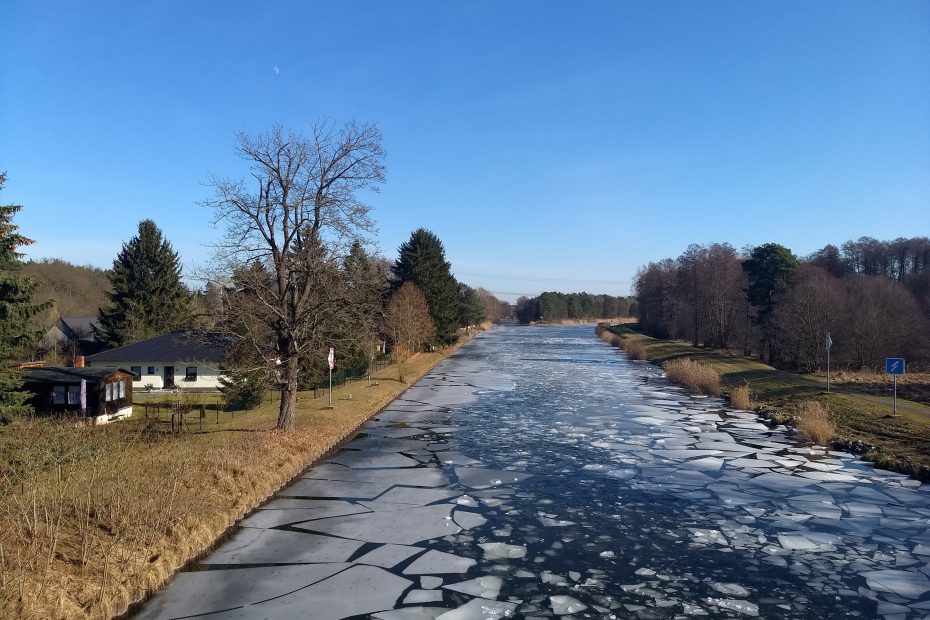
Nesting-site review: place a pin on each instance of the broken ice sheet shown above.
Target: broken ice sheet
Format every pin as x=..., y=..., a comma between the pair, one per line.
x=480, y=609
x=744, y=607
x=437, y=563
x=483, y=587
x=502, y=551
x=903, y=583
x=563, y=605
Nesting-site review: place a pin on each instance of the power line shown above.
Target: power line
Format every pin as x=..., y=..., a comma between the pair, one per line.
x=538, y=279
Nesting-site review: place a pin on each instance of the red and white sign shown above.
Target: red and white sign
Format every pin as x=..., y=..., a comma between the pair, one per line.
x=332, y=358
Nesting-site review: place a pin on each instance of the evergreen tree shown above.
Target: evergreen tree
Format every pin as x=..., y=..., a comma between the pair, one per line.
x=422, y=260
x=771, y=269
x=471, y=309
x=16, y=312
x=148, y=297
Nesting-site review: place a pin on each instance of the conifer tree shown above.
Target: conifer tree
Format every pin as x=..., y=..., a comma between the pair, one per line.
x=148, y=297
x=16, y=312
x=422, y=260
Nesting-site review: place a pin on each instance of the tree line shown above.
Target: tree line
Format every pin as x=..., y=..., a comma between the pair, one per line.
x=554, y=306
x=295, y=273
x=872, y=297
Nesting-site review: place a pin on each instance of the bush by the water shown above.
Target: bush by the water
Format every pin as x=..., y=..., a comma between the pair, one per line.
x=634, y=349
x=740, y=398
x=696, y=376
x=814, y=422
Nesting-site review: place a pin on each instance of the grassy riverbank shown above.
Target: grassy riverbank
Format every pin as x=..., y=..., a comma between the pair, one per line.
x=863, y=420
x=93, y=518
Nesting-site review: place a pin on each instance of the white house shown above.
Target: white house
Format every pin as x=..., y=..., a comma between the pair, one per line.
x=183, y=360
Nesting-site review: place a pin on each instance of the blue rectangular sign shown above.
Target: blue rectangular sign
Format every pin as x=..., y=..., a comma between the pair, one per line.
x=894, y=365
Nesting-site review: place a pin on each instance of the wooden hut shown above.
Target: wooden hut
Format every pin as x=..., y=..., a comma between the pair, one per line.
x=100, y=394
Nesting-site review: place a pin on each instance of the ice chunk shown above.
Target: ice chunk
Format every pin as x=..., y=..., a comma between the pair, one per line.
x=438, y=562
x=423, y=596
x=428, y=583
x=903, y=583
x=483, y=587
x=730, y=589
x=743, y=607
x=480, y=609
x=562, y=605
x=502, y=551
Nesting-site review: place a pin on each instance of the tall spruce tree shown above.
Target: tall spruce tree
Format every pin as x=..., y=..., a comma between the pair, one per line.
x=16, y=312
x=148, y=297
x=422, y=260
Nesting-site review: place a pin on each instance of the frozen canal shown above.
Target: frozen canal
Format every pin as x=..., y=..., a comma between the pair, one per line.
x=538, y=473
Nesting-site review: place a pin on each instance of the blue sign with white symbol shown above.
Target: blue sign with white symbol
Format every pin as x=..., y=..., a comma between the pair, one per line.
x=894, y=365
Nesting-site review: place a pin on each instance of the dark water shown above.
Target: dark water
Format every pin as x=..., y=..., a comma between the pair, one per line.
x=584, y=485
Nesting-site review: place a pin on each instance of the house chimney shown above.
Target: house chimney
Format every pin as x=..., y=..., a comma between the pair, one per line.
x=79, y=361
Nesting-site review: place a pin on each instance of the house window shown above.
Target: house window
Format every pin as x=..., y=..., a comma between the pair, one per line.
x=153, y=370
x=58, y=395
x=136, y=372
x=109, y=390
x=74, y=394
x=190, y=373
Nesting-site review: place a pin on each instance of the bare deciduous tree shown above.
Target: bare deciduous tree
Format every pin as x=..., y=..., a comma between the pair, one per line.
x=286, y=229
x=407, y=320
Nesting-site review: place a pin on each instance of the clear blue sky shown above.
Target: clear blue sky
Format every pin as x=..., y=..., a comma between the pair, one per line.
x=540, y=140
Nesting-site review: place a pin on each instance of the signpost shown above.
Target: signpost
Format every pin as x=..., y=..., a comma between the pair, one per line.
x=894, y=366
x=331, y=358
x=828, y=343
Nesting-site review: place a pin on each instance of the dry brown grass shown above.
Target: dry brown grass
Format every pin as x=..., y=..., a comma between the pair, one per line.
x=694, y=375
x=740, y=397
x=865, y=376
x=635, y=349
x=91, y=518
x=814, y=422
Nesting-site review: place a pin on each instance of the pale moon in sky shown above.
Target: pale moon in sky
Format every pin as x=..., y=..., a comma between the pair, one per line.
x=276, y=70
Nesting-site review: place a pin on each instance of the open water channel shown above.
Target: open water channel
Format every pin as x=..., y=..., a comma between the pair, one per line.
x=539, y=473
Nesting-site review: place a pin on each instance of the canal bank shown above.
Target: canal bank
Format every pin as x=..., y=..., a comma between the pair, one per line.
x=864, y=422
x=536, y=472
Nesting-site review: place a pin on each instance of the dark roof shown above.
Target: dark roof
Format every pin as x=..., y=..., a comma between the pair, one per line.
x=64, y=375
x=81, y=325
x=173, y=347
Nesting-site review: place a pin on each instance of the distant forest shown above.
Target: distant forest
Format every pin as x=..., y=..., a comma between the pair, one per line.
x=551, y=306
x=871, y=296
x=75, y=290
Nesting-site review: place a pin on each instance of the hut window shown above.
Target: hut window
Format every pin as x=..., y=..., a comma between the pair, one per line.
x=191, y=373
x=58, y=395
x=109, y=390
x=74, y=394
x=122, y=389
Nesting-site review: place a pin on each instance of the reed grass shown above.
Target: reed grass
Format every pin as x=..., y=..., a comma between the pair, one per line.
x=740, y=397
x=813, y=421
x=698, y=377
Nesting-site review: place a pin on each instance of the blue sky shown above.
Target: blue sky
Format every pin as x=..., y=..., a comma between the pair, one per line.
x=550, y=145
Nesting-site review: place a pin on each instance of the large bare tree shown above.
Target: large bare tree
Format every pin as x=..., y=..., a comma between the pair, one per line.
x=287, y=228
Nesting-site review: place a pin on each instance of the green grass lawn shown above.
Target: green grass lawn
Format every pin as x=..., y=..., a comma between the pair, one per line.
x=901, y=442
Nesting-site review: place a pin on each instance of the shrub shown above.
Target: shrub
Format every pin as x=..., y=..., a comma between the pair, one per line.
x=739, y=397
x=814, y=423
x=634, y=349
x=694, y=375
